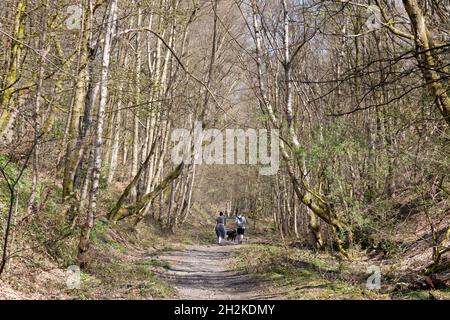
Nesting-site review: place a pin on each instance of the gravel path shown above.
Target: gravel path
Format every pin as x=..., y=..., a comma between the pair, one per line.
x=203, y=272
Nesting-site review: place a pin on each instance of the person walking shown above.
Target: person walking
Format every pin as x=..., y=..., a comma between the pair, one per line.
x=220, y=228
x=240, y=224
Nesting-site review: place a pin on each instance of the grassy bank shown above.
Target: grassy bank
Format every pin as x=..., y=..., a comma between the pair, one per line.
x=304, y=274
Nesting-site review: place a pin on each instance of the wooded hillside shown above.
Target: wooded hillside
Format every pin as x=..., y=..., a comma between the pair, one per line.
x=355, y=92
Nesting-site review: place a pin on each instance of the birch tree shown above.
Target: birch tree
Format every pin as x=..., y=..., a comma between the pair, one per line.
x=98, y=140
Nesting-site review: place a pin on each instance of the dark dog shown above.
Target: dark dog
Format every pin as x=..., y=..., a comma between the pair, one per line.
x=231, y=235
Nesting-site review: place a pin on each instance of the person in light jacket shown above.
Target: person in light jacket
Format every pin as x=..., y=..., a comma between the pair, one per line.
x=240, y=224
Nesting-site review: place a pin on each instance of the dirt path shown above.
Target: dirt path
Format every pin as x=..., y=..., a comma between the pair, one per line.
x=203, y=272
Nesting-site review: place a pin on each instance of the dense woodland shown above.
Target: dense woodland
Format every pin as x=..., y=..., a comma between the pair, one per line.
x=91, y=90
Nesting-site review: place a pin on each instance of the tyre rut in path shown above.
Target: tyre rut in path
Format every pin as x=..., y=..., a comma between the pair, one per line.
x=202, y=272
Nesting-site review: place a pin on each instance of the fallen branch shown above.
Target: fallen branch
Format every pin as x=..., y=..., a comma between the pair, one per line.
x=119, y=212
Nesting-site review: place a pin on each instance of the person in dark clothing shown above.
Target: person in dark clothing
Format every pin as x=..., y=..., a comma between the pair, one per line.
x=220, y=228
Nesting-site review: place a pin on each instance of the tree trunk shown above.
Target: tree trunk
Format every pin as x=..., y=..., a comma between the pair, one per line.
x=83, y=245
x=71, y=157
x=428, y=58
x=12, y=75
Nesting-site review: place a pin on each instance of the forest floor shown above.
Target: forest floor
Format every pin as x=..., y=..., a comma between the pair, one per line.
x=147, y=262
x=176, y=267
x=264, y=270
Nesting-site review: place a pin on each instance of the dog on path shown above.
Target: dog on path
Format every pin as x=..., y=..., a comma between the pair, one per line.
x=231, y=235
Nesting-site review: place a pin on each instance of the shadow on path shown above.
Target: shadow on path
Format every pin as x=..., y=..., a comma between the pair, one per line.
x=203, y=272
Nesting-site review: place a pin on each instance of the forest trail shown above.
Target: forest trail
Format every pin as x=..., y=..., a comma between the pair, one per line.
x=203, y=272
